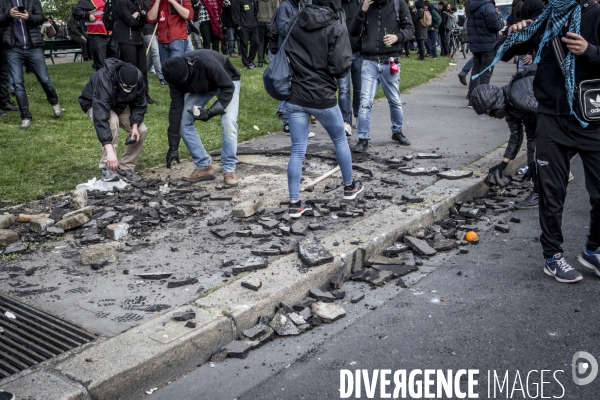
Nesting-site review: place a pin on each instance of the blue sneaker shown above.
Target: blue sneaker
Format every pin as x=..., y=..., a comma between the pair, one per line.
x=561, y=270
x=590, y=261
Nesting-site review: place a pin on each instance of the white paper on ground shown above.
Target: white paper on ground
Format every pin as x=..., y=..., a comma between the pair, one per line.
x=94, y=184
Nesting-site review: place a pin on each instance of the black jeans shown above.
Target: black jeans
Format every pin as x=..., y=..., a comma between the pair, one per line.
x=421, y=45
x=208, y=39
x=263, y=40
x=4, y=72
x=481, y=60
x=101, y=47
x=136, y=56
x=83, y=44
x=248, y=36
x=559, y=138
x=520, y=126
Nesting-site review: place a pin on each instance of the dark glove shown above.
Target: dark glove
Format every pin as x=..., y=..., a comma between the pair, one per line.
x=173, y=153
x=500, y=167
x=530, y=174
x=204, y=115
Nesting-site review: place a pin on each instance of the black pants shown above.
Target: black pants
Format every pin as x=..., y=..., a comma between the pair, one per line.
x=136, y=56
x=445, y=46
x=101, y=47
x=481, y=62
x=248, y=36
x=528, y=126
x=4, y=72
x=263, y=40
x=83, y=44
x=560, y=137
x=421, y=45
x=208, y=39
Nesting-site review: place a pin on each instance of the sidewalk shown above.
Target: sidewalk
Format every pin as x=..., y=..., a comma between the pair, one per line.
x=132, y=316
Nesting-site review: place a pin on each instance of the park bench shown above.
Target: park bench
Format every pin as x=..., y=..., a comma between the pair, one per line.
x=54, y=48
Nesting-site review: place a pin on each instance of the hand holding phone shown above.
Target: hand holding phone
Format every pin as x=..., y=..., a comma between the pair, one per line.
x=21, y=9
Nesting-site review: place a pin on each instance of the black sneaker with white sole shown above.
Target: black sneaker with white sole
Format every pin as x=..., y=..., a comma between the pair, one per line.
x=109, y=175
x=298, y=208
x=351, y=191
x=560, y=269
x=530, y=203
x=128, y=175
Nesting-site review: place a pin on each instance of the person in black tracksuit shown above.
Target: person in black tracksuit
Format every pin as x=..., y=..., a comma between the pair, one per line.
x=130, y=20
x=517, y=104
x=560, y=136
x=244, y=14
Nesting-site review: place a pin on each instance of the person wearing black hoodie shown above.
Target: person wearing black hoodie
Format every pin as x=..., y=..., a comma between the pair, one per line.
x=244, y=14
x=383, y=29
x=319, y=51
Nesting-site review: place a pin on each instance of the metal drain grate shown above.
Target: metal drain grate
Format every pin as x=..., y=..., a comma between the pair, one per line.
x=33, y=336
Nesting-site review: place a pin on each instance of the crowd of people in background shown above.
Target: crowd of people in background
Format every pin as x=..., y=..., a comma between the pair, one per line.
x=340, y=52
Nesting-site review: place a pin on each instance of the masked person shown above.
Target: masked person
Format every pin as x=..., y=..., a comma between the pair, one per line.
x=194, y=80
x=115, y=97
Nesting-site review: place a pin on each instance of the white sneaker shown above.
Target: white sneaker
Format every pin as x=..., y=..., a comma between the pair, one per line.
x=57, y=110
x=347, y=129
x=311, y=134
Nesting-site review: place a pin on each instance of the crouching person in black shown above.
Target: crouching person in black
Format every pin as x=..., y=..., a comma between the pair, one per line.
x=516, y=103
x=115, y=97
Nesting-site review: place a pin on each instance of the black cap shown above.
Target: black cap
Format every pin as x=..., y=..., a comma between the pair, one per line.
x=175, y=70
x=128, y=75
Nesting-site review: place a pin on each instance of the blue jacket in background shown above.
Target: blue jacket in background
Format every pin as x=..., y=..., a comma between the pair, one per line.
x=483, y=26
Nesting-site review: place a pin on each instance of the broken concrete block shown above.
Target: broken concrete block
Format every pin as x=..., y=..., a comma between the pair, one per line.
x=327, y=312
x=190, y=324
x=420, y=246
x=445, y=244
x=90, y=239
x=117, y=231
x=428, y=156
x=256, y=331
x=88, y=211
x=55, y=231
x=16, y=248
x=407, y=258
x=315, y=227
x=338, y=294
x=184, y=315
x=222, y=233
x=269, y=224
x=357, y=298
x=265, y=252
x=306, y=313
x=219, y=356
x=296, y=318
x=283, y=325
x=252, y=283
x=313, y=253
x=395, y=249
x=108, y=215
x=246, y=209
x=98, y=255
x=251, y=264
x=338, y=279
x=264, y=338
x=72, y=222
x=455, y=174
x=298, y=228
x=420, y=171
x=175, y=284
x=358, y=259
x=320, y=295
x=412, y=198
x=396, y=269
x=515, y=220
x=6, y=221
x=306, y=302
x=378, y=278
x=238, y=349
x=79, y=198
x=502, y=228
x=8, y=236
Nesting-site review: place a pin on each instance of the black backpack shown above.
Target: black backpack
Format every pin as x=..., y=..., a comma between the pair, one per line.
x=108, y=17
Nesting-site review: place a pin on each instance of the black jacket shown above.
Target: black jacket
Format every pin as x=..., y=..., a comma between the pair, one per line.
x=207, y=71
x=370, y=25
x=483, y=26
x=351, y=8
x=420, y=29
x=36, y=18
x=244, y=14
x=103, y=94
x=532, y=9
x=126, y=28
x=319, y=52
x=549, y=84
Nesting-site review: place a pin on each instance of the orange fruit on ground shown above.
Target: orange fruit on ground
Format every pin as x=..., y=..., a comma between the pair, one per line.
x=470, y=236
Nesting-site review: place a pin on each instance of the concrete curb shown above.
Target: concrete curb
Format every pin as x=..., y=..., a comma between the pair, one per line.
x=157, y=351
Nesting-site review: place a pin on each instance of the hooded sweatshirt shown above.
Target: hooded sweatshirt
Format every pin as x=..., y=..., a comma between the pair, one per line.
x=319, y=52
x=266, y=8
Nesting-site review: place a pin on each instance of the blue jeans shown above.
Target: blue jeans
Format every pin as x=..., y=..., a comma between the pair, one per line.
x=331, y=119
x=191, y=138
x=230, y=40
x=431, y=42
x=281, y=109
x=176, y=48
x=34, y=57
x=374, y=73
x=468, y=67
x=346, y=106
x=153, y=57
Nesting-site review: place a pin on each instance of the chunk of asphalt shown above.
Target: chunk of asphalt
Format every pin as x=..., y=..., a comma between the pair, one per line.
x=252, y=283
x=515, y=220
x=378, y=278
x=269, y=224
x=314, y=253
x=502, y=228
x=357, y=298
x=259, y=341
x=154, y=275
x=338, y=279
x=184, y=315
x=455, y=174
x=222, y=233
x=327, y=312
x=265, y=252
x=445, y=244
x=419, y=246
x=396, y=269
x=251, y=264
x=282, y=325
x=238, y=349
x=420, y=171
x=296, y=318
x=407, y=258
x=306, y=302
x=428, y=156
x=338, y=294
x=320, y=295
x=175, y=284
x=190, y=324
x=256, y=331
x=219, y=356
x=306, y=313
x=395, y=249
x=298, y=228
x=412, y=198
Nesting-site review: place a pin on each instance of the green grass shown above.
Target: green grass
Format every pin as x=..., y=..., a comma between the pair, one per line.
x=54, y=155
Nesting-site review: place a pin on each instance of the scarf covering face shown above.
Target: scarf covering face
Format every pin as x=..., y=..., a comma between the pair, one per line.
x=557, y=14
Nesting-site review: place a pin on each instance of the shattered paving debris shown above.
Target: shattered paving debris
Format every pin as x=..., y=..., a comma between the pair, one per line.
x=238, y=349
x=283, y=325
x=430, y=156
x=419, y=171
x=327, y=312
x=184, y=316
x=320, y=295
x=314, y=253
x=419, y=246
x=155, y=275
x=175, y=284
x=252, y=283
x=455, y=174
x=98, y=255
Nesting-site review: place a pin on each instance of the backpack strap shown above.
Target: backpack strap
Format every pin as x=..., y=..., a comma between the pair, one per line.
x=282, y=47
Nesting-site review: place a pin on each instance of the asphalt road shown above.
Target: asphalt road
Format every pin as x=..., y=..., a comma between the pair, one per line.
x=490, y=310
